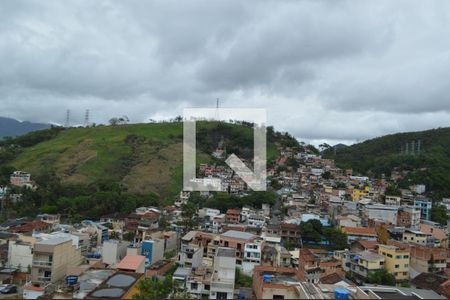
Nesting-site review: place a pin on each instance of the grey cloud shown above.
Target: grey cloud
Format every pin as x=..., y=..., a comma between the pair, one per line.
x=339, y=70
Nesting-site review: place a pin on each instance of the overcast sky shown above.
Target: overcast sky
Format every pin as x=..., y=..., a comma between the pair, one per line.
x=325, y=70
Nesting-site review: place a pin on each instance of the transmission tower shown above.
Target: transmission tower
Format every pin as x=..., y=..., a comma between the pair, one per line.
x=67, y=124
x=86, y=118
x=217, y=110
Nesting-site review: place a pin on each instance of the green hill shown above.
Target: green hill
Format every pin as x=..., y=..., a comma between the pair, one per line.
x=143, y=158
x=428, y=163
x=90, y=172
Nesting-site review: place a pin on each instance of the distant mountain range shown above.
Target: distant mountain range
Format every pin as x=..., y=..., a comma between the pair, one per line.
x=11, y=127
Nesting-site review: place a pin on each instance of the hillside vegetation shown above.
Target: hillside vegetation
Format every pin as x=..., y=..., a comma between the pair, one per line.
x=141, y=158
x=383, y=155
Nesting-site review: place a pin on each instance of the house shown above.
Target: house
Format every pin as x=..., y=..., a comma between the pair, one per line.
x=396, y=261
x=363, y=245
x=387, y=214
x=252, y=256
x=190, y=256
x=313, y=264
x=408, y=217
x=360, y=233
x=275, y=283
x=414, y=236
x=392, y=200
x=425, y=207
x=132, y=263
x=233, y=216
x=21, y=179
x=236, y=240
x=20, y=255
x=224, y=272
x=428, y=259
x=436, y=233
x=364, y=263
x=348, y=221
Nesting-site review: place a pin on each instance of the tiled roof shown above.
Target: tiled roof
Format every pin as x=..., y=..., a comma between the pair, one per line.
x=131, y=262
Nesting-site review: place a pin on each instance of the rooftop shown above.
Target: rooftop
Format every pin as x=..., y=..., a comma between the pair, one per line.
x=238, y=235
x=131, y=262
x=360, y=230
x=226, y=252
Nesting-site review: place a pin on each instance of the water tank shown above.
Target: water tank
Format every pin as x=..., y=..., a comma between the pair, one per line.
x=267, y=278
x=71, y=280
x=341, y=294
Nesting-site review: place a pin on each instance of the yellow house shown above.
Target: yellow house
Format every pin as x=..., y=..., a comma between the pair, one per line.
x=359, y=193
x=415, y=237
x=396, y=261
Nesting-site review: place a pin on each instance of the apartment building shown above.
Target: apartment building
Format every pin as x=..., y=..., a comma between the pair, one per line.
x=223, y=276
x=396, y=261
x=51, y=257
x=153, y=250
x=425, y=207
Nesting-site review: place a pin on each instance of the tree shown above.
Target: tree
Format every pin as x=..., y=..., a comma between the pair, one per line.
x=439, y=214
x=189, y=216
x=309, y=232
x=150, y=288
x=337, y=238
x=243, y=280
x=382, y=277
x=383, y=235
x=326, y=175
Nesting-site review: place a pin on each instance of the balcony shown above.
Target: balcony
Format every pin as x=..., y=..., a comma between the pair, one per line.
x=222, y=286
x=42, y=263
x=44, y=278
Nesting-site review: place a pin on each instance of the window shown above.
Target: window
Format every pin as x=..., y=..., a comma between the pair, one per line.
x=389, y=255
x=405, y=256
x=226, y=243
x=398, y=257
x=406, y=265
x=194, y=286
x=207, y=287
x=397, y=266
